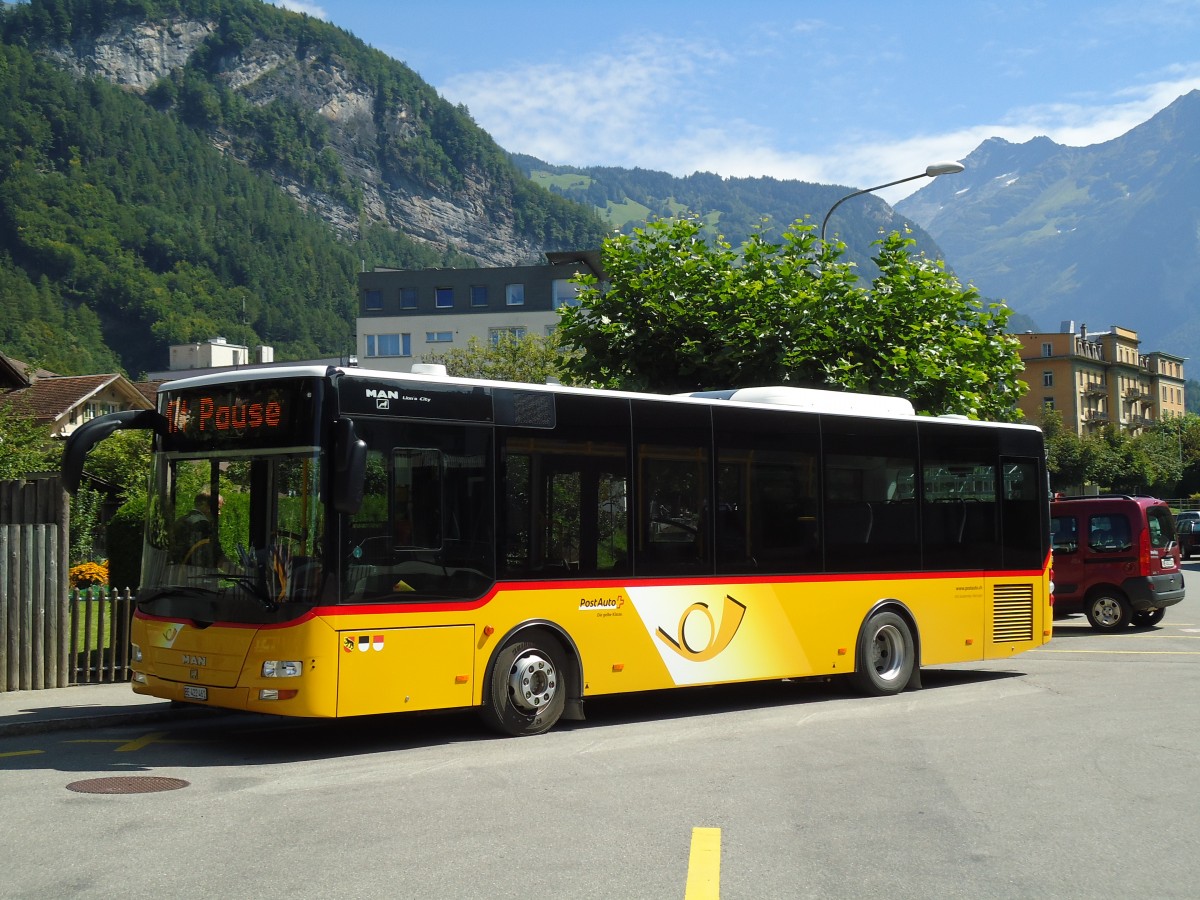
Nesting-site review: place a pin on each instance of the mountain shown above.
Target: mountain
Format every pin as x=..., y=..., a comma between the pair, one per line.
x=171, y=170
x=735, y=207
x=1105, y=235
x=175, y=170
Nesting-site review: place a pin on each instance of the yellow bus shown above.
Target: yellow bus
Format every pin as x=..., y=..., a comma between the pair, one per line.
x=380, y=542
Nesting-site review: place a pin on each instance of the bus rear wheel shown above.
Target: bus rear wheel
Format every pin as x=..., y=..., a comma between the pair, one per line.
x=886, y=655
x=526, y=689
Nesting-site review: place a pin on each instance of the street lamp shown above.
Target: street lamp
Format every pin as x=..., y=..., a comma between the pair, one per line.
x=948, y=168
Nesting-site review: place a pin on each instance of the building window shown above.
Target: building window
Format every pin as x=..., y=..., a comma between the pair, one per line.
x=408, y=298
x=1047, y=379
x=372, y=300
x=439, y=337
x=566, y=293
x=1048, y=402
x=389, y=345
x=443, y=297
x=479, y=295
x=516, y=332
x=514, y=295
x=1047, y=349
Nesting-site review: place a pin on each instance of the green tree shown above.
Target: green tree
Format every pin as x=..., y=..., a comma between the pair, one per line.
x=683, y=313
x=25, y=446
x=532, y=359
x=1132, y=464
x=1068, y=456
x=123, y=459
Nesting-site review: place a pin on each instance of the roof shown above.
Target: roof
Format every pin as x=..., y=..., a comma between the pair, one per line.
x=15, y=373
x=47, y=400
x=590, y=258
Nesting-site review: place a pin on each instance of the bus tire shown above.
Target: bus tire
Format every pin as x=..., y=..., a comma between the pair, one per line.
x=1108, y=610
x=526, y=689
x=886, y=655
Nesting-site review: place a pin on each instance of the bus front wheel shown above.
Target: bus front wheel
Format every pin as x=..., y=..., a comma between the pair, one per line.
x=886, y=655
x=527, y=688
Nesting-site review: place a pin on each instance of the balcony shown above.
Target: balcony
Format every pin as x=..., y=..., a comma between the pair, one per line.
x=1135, y=394
x=1095, y=390
x=1095, y=415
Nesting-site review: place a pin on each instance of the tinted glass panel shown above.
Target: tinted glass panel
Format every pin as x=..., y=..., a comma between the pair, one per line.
x=959, y=498
x=673, y=489
x=565, y=491
x=1109, y=533
x=1024, y=513
x=1161, y=531
x=870, y=501
x=1064, y=531
x=767, y=491
x=424, y=531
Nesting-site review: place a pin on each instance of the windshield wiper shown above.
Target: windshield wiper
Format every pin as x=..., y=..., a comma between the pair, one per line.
x=175, y=590
x=251, y=584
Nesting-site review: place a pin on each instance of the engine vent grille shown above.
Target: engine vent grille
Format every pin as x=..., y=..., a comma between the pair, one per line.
x=1012, y=613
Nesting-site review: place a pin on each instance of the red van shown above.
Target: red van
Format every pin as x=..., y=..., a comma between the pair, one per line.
x=1116, y=559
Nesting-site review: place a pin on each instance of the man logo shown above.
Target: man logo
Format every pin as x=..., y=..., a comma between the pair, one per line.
x=383, y=398
x=699, y=638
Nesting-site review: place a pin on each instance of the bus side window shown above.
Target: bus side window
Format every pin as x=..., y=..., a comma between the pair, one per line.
x=870, y=469
x=673, y=456
x=564, y=507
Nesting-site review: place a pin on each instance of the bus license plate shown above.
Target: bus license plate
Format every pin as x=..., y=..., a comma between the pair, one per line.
x=191, y=692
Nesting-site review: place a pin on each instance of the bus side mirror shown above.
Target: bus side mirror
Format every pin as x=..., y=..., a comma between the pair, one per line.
x=349, y=468
x=88, y=435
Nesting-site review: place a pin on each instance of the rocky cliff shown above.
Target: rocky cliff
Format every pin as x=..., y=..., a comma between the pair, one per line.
x=472, y=217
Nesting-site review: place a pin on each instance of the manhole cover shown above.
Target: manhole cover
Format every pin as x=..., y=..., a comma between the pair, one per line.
x=126, y=784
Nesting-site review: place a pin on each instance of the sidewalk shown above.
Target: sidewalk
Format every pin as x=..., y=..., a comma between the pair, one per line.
x=82, y=706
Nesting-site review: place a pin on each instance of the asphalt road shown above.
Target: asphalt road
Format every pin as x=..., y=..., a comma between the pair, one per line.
x=1071, y=771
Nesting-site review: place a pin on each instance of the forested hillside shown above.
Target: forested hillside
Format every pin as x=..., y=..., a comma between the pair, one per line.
x=190, y=202
x=736, y=207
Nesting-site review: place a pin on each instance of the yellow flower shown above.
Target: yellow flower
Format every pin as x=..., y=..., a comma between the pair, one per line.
x=89, y=573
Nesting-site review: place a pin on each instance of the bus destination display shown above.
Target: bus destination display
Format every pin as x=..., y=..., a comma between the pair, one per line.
x=266, y=412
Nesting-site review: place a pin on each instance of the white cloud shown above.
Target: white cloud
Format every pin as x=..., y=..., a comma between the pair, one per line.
x=598, y=110
x=302, y=6
x=648, y=107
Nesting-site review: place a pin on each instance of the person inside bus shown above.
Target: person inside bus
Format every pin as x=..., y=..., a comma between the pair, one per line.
x=194, y=539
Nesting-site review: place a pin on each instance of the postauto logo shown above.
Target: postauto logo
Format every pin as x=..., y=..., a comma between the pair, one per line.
x=697, y=636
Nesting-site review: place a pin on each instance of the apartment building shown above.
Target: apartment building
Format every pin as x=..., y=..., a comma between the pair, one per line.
x=404, y=314
x=1101, y=378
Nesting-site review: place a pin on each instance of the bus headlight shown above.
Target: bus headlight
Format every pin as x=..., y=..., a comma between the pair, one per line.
x=282, y=668
x=137, y=653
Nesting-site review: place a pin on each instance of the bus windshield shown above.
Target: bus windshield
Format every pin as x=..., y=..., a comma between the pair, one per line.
x=234, y=537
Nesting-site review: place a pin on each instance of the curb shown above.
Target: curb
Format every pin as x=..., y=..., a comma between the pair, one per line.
x=99, y=720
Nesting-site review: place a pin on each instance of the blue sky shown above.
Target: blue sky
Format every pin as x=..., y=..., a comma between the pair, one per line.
x=854, y=93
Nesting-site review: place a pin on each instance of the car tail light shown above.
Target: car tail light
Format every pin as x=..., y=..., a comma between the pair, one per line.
x=1144, y=552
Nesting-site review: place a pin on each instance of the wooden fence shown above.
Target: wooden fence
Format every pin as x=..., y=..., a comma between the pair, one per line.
x=51, y=637
x=100, y=648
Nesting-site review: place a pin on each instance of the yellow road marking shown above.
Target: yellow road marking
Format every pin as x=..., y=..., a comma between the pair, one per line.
x=1131, y=652
x=155, y=737
x=704, y=865
x=21, y=753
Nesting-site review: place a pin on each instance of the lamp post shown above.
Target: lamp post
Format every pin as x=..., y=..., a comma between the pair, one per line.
x=948, y=168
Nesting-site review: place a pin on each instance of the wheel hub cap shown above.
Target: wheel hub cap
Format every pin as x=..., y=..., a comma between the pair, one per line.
x=532, y=682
